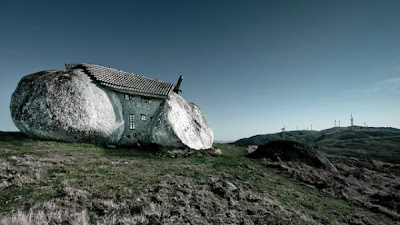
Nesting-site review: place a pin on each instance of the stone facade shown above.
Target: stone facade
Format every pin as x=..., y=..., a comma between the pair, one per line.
x=138, y=112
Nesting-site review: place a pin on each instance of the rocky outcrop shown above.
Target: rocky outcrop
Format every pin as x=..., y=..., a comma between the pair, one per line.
x=180, y=123
x=292, y=151
x=66, y=106
x=69, y=106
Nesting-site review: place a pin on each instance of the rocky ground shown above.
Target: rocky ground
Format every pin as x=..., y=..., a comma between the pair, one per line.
x=44, y=182
x=371, y=184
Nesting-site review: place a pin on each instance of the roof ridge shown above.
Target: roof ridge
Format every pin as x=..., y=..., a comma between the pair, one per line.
x=126, y=82
x=135, y=74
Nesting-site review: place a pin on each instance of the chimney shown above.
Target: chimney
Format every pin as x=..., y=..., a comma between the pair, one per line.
x=69, y=66
x=178, y=84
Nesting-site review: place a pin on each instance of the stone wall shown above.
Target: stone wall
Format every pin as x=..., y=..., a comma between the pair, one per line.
x=143, y=110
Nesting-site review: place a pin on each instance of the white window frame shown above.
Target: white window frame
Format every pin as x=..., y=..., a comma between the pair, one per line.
x=131, y=121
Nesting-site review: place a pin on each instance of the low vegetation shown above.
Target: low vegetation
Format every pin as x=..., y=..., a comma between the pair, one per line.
x=45, y=182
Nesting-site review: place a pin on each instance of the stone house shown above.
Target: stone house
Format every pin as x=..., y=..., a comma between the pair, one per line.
x=140, y=98
x=92, y=103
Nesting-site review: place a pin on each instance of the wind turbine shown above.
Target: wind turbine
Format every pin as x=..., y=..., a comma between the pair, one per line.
x=351, y=120
x=283, y=132
x=335, y=123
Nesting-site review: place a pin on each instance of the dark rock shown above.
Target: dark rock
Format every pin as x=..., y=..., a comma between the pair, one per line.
x=292, y=151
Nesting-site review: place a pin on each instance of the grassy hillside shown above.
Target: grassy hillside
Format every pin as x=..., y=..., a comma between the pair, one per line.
x=44, y=182
x=362, y=142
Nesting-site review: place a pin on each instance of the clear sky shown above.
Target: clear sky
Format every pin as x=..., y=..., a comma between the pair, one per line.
x=251, y=66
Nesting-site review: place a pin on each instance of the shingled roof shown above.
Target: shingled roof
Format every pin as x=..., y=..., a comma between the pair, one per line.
x=124, y=82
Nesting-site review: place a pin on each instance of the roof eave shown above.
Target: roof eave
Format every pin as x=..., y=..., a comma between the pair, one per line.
x=140, y=93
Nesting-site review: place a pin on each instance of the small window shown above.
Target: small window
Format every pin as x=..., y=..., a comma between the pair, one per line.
x=131, y=122
x=143, y=117
x=128, y=97
x=146, y=100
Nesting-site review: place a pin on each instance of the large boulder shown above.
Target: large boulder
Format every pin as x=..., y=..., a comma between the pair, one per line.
x=180, y=123
x=66, y=106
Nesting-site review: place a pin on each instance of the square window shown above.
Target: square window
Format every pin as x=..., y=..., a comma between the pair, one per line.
x=143, y=117
x=127, y=97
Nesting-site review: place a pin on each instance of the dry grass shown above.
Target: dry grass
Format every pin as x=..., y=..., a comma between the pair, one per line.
x=59, y=183
x=45, y=214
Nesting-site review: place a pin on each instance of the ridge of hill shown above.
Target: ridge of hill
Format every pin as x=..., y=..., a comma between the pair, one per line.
x=382, y=143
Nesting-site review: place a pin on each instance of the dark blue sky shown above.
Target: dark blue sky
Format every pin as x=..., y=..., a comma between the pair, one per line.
x=252, y=66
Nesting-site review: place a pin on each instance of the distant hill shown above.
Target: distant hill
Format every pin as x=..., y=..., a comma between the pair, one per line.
x=300, y=136
x=381, y=143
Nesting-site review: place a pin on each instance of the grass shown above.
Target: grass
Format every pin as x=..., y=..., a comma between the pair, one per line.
x=130, y=186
